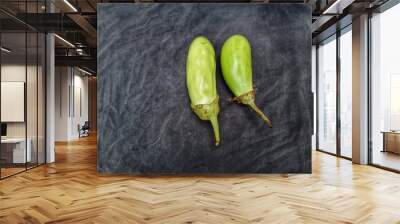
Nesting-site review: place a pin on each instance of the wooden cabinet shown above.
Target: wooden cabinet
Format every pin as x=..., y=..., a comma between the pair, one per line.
x=391, y=142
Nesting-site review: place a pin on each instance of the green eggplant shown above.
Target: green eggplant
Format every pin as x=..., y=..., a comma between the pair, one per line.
x=201, y=82
x=237, y=72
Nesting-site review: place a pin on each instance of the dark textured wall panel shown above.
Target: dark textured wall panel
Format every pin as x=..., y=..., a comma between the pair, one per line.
x=145, y=121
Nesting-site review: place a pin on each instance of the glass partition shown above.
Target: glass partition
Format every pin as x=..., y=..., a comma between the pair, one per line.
x=314, y=91
x=41, y=97
x=31, y=99
x=22, y=77
x=346, y=93
x=327, y=95
x=13, y=109
x=385, y=89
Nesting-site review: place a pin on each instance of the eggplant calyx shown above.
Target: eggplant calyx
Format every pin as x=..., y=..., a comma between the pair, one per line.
x=246, y=98
x=249, y=99
x=209, y=112
x=204, y=111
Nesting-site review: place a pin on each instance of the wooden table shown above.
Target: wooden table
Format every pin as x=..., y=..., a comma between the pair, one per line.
x=14, y=150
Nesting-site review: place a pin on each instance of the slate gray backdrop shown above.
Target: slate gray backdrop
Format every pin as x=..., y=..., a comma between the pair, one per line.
x=144, y=116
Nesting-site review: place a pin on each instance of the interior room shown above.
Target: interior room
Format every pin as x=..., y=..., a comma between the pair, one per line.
x=22, y=100
x=225, y=111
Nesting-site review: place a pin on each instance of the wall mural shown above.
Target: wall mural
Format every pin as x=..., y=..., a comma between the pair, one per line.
x=160, y=65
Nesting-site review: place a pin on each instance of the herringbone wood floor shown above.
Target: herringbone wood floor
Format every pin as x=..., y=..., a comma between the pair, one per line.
x=70, y=191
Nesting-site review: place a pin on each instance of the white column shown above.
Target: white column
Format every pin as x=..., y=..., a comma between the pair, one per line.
x=360, y=90
x=50, y=93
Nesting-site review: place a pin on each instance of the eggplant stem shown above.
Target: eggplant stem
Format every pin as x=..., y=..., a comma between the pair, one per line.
x=258, y=111
x=214, y=123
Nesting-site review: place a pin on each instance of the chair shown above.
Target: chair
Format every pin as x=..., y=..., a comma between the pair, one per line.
x=84, y=130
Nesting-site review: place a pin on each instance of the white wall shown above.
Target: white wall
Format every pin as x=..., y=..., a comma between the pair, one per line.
x=80, y=109
x=62, y=81
x=71, y=102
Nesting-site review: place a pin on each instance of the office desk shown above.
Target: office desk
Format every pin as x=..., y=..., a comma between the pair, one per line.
x=391, y=141
x=13, y=150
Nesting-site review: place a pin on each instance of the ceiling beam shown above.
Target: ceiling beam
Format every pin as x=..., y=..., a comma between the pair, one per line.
x=82, y=61
x=337, y=6
x=49, y=22
x=86, y=26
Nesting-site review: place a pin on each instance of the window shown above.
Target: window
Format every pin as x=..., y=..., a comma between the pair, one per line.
x=314, y=90
x=327, y=96
x=333, y=137
x=385, y=88
x=346, y=93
